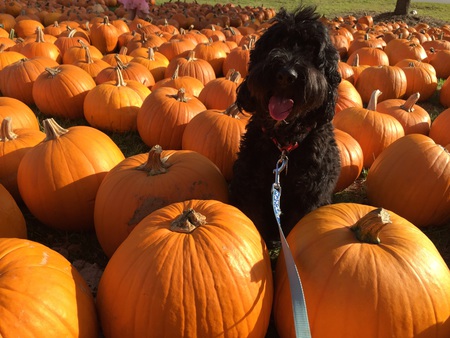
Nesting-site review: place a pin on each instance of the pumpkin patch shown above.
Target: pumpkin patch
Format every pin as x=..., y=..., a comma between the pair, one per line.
x=90, y=90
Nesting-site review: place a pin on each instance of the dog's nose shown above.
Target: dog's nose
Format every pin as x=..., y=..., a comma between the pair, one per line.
x=286, y=76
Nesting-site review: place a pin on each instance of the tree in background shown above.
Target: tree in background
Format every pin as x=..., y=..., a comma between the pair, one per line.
x=402, y=7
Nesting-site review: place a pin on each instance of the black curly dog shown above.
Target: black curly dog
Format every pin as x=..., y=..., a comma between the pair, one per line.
x=291, y=91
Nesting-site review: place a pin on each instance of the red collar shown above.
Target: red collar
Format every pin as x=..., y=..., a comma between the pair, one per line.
x=286, y=148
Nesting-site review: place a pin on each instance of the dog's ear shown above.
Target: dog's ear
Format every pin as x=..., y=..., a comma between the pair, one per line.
x=244, y=100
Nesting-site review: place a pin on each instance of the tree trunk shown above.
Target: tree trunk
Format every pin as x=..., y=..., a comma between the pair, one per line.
x=402, y=7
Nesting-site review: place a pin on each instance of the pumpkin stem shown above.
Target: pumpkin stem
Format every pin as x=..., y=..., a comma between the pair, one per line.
x=408, y=105
x=52, y=129
x=155, y=165
x=372, y=105
x=368, y=227
x=234, y=76
x=355, y=62
x=6, y=131
x=120, y=80
x=175, y=73
x=151, y=54
x=191, y=55
x=119, y=61
x=188, y=221
x=2, y=47
x=52, y=71
x=232, y=111
x=39, y=34
x=180, y=95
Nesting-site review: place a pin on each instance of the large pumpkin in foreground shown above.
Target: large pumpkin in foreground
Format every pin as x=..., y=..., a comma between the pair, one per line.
x=366, y=273
x=58, y=179
x=41, y=294
x=191, y=269
x=142, y=183
x=412, y=178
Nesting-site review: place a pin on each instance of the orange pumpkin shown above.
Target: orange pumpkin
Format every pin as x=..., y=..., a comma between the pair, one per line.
x=114, y=105
x=59, y=178
x=439, y=130
x=14, y=144
x=412, y=178
x=164, y=114
x=220, y=93
x=359, y=266
x=213, y=53
x=369, y=56
x=421, y=80
x=221, y=268
x=399, y=49
x=41, y=47
x=142, y=183
x=412, y=117
x=192, y=85
x=176, y=47
x=18, y=78
x=8, y=57
x=216, y=134
x=93, y=66
x=348, y=96
x=352, y=159
x=390, y=80
x=104, y=36
x=22, y=114
x=441, y=62
x=153, y=60
x=238, y=59
x=78, y=52
x=444, y=93
x=60, y=91
x=66, y=309
x=192, y=66
x=374, y=131
x=12, y=221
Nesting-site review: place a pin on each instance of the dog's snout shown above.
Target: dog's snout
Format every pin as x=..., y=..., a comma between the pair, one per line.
x=286, y=76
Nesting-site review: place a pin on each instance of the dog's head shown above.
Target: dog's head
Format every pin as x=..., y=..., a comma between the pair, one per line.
x=293, y=71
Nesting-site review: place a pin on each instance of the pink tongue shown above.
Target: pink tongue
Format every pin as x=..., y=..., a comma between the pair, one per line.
x=279, y=108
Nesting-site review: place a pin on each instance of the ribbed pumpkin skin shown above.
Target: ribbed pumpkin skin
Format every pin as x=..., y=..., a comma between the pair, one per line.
x=391, y=80
x=127, y=195
x=348, y=96
x=217, y=136
x=59, y=178
x=61, y=91
x=440, y=127
x=163, y=117
x=444, y=93
x=374, y=131
x=41, y=294
x=21, y=114
x=114, y=105
x=413, y=118
x=12, y=222
x=412, y=178
x=398, y=288
x=215, y=281
x=352, y=159
x=14, y=144
x=18, y=78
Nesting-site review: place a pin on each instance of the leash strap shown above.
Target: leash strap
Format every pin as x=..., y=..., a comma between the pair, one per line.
x=299, y=311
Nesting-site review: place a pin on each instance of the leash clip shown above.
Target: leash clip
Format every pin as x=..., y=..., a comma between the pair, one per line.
x=281, y=165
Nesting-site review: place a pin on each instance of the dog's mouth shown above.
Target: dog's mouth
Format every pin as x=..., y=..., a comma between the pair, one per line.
x=280, y=107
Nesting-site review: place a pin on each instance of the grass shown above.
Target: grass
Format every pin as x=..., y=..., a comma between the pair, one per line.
x=331, y=8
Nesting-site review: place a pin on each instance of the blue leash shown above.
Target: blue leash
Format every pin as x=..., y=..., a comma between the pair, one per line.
x=299, y=311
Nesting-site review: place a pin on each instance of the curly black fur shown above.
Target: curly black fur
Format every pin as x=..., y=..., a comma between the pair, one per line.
x=294, y=59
